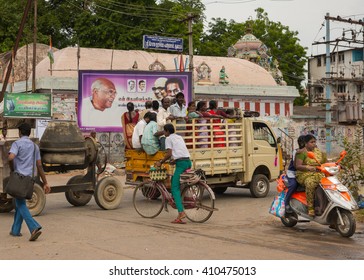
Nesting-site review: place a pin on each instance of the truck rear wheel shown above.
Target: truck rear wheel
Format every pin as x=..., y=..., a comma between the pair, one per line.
x=220, y=190
x=259, y=186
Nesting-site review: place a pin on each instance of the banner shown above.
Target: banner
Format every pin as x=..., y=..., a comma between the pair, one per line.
x=28, y=105
x=104, y=95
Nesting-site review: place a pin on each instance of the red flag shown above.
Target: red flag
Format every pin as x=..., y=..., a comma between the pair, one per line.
x=181, y=64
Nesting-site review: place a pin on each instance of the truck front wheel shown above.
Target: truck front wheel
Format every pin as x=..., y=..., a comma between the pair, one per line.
x=259, y=186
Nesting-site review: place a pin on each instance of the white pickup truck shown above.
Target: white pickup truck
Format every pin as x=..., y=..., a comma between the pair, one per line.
x=244, y=153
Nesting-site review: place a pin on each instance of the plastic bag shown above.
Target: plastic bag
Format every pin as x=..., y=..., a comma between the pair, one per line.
x=278, y=206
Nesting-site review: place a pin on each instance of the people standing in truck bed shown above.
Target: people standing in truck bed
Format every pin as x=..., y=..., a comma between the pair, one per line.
x=179, y=112
x=163, y=117
x=129, y=120
x=148, y=108
x=219, y=134
x=201, y=109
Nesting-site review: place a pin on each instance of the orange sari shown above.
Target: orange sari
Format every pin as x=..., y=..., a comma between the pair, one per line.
x=128, y=122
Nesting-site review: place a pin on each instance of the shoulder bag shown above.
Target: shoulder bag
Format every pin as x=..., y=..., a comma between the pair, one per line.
x=21, y=186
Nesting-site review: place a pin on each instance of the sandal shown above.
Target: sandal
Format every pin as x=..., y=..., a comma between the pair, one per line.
x=311, y=212
x=15, y=235
x=35, y=234
x=181, y=215
x=178, y=221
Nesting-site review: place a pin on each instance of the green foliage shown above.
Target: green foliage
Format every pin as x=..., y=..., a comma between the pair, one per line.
x=352, y=173
x=100, y=23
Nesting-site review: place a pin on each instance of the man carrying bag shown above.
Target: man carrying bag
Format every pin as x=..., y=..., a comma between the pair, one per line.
x=23, y=155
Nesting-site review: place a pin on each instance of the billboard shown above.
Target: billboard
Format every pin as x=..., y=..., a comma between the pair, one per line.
x=28, y=105
x=104, y=94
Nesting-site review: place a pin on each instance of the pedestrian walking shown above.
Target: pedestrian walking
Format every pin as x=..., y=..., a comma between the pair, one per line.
x=21, y=160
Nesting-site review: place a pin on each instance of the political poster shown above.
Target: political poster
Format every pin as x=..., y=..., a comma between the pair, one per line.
x=103, y=95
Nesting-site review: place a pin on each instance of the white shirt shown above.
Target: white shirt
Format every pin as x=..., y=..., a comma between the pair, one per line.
x=162, y=116
x=138, y=131
x=176, y=143
x=177, y=111
x=91, y=117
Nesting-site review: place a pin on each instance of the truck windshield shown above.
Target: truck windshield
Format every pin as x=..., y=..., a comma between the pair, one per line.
x=262, y=132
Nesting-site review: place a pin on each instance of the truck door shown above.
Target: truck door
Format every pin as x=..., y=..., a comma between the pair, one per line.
x=265, y=148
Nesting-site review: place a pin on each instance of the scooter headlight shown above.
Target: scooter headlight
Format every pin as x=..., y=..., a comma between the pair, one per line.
x=333, y=170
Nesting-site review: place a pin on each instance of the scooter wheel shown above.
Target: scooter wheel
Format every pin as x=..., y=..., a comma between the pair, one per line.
x=348, y=228
x=290, y=220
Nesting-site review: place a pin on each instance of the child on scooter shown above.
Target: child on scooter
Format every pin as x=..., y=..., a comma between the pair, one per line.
x=291, y=175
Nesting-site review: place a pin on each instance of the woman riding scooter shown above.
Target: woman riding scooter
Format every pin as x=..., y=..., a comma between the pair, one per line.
x=306, y=174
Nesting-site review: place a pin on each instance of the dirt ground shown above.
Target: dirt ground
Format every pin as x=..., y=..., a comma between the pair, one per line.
x=242, y=229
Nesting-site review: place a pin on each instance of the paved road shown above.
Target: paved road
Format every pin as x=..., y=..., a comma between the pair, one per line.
x=241, y=229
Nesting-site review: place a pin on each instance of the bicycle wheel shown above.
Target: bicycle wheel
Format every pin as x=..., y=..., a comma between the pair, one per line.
x=198, y=201
x=145, y=200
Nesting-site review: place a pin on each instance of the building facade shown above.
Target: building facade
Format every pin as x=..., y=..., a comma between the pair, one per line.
x=345, y=80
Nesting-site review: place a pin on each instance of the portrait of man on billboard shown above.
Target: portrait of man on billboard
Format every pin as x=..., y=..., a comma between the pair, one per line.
x=173, y=86
x=99, y=106
x=103, y=95
x=142, y=86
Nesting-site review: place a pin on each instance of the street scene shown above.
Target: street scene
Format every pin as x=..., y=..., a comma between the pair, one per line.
x=181, y=133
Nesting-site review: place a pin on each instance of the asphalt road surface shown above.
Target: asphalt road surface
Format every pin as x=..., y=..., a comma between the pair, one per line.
x=241, y=229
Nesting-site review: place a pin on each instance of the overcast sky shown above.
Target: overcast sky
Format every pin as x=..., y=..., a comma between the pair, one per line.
x=304, y=16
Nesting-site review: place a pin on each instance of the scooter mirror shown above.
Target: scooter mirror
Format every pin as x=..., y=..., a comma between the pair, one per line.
x=343, y=153
x=311, y=155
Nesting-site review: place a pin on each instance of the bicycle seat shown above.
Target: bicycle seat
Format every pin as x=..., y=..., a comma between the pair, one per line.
x=190, y=177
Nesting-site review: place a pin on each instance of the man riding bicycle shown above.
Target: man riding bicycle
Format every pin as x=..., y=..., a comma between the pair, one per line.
x=176, y=149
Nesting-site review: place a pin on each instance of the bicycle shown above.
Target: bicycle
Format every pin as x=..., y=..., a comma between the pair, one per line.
x=198, y=199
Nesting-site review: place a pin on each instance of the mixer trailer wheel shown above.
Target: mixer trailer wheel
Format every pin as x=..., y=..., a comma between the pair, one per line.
x=77, y=198
x=37, y=203
x=108, y=193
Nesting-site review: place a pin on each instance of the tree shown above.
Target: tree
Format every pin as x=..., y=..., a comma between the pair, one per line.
x=283, y=45
x=352, y=173
x=100, y=23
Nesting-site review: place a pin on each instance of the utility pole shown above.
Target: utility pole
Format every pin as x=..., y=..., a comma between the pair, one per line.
x=328, y=88
x=15, y=49
x=34, y=45
x=328, y=42
x=190, y=18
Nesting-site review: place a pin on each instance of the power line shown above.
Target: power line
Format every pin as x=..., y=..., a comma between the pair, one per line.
x=230, y=2
x=124, y=25
x=138, y=8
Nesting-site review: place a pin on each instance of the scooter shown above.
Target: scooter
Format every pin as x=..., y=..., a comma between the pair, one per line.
x=334, y=202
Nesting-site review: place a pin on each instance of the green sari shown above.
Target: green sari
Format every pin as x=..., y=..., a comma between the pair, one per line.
x=310, y=180
x=302, y=176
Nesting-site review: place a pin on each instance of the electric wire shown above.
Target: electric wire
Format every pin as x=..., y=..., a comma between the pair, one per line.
x=125, y=25
x=230, y=2
x=137, y=8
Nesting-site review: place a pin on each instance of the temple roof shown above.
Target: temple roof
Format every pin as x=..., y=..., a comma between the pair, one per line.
x=239, y=71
